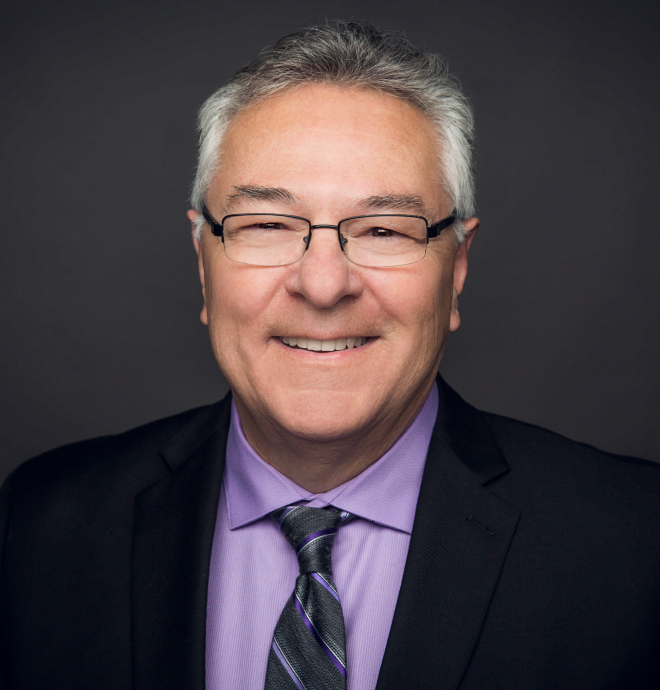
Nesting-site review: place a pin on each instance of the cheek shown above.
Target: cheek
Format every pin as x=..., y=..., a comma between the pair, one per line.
x=417, y=301
x=238, y=300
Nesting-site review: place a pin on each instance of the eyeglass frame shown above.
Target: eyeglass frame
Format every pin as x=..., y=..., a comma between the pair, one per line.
x=432, y=231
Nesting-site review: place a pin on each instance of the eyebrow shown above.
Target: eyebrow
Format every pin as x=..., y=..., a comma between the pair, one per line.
x=394, y=202
x=255, y=193
x=391, y=201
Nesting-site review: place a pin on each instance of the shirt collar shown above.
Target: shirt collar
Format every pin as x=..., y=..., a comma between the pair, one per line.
x=385, y=493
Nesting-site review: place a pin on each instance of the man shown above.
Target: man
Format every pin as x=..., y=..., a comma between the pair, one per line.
x=434, y=546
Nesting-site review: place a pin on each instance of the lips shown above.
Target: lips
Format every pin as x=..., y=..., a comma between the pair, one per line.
x=323, y=345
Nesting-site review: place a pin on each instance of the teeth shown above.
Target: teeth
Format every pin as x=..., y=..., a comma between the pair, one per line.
x=323, y=345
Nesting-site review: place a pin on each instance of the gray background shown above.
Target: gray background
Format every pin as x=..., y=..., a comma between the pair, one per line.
x=99, y=288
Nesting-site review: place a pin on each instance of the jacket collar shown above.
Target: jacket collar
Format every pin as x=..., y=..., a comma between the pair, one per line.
x=459, y=543
x=464, y=431
x=173, y=536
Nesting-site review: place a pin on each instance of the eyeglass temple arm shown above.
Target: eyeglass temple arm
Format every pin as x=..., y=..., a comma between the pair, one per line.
x=435, y=230
x=216, y=228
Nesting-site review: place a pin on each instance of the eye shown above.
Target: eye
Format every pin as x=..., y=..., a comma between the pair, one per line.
x=275, y=225
x=382, y=232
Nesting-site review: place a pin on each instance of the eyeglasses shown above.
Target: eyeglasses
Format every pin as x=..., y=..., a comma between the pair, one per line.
x=276, y=239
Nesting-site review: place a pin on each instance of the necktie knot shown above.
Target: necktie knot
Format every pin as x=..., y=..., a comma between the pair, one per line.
x=311, y=532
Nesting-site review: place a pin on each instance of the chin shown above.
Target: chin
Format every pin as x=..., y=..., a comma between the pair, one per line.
x=323, y=415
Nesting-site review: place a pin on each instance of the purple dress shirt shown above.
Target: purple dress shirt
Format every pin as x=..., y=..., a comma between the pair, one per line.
x=254, y=569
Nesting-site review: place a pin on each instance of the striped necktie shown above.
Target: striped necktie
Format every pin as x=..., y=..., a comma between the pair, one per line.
x=309, y=644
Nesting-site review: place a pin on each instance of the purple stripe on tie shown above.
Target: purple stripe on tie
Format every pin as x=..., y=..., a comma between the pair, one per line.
x=315, y=535
x=287, y=666
x=323, y=583
x=285, y=512
x=324, y=646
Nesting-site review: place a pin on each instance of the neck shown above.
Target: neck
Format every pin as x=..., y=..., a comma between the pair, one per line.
x=327, y=463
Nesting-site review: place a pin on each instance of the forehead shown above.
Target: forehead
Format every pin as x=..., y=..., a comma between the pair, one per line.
x=333, y=137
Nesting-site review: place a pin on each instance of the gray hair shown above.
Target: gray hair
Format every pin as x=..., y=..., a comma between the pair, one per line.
x=350, y=55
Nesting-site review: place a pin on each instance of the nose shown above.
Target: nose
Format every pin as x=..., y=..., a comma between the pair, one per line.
x=324, y=276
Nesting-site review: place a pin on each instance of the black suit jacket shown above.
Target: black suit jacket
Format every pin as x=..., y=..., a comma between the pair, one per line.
x=534, y=561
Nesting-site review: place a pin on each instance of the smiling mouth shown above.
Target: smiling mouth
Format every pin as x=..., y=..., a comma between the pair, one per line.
x=323, y=345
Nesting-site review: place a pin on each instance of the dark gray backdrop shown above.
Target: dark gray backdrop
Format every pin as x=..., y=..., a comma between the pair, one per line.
x=100, y=298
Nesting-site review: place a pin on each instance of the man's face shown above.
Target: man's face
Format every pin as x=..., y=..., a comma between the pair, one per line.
x=325, y=154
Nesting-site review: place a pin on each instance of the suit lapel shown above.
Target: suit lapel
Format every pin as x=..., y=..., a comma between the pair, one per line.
x=173, y=537
x=459, y=542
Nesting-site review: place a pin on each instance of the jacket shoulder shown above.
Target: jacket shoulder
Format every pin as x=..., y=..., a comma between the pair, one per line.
x=518, y=437
x=97, y=461
x=543, y=463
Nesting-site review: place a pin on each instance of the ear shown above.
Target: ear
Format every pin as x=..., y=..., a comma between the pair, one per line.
x=471, y=226
x=192, y=216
